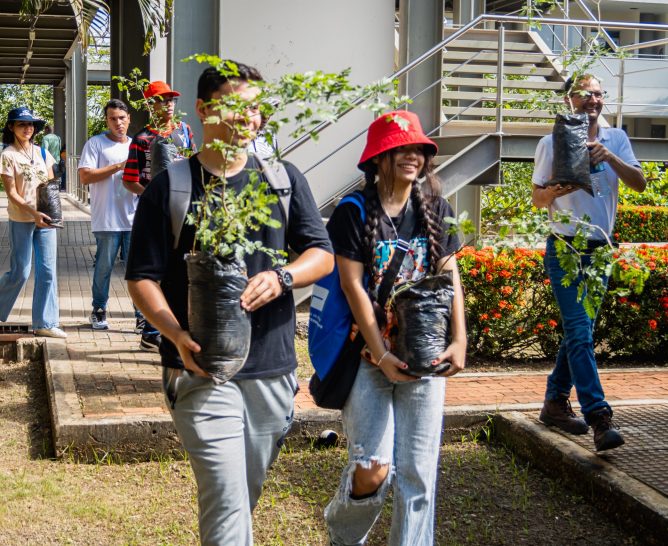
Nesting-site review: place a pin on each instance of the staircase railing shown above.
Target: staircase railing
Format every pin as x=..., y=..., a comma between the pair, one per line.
x=501, y=20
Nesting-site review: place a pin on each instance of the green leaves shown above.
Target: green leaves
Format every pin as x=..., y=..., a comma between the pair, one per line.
x=225, y=219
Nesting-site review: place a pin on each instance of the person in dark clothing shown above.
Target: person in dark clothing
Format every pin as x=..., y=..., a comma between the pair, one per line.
x=231, y=431
x=137, y=172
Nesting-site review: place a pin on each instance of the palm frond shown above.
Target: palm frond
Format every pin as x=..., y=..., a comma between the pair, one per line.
x=92, y=17
x=156, y=15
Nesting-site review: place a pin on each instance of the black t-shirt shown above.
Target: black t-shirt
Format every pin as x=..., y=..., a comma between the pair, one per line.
x=152, y=257
x=346, y=230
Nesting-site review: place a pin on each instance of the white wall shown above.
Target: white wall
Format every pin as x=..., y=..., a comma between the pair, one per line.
x=298, y=35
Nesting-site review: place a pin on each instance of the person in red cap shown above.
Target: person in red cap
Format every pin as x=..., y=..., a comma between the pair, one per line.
x=392, y=419
x=138, y=172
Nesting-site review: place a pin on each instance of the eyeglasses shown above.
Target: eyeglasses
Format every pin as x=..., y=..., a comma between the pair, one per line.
x=586, y=95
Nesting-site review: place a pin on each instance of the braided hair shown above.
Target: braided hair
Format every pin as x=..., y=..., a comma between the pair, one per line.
x=423, y=196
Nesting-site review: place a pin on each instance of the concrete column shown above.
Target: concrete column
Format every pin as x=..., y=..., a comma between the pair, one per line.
x=59, y=112
x=195, y=30
x=75, y=90
x=468, y=198
x=421, y=27
x=127, y=48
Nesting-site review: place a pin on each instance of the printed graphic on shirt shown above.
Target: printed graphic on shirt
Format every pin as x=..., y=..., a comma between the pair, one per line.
x=413, y=267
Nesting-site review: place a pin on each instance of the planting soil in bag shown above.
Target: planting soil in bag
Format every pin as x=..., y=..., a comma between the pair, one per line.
x=571, y=156
x=215, y=317
x=422, y=311
x=48, y=201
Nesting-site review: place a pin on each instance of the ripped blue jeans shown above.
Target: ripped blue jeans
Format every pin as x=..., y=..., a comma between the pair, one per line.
x=397, y=424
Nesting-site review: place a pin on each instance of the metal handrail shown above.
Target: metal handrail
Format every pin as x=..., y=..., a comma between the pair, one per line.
x=460, y=32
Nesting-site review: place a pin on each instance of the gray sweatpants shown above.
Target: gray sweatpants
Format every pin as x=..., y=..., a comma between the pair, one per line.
x=232, y=433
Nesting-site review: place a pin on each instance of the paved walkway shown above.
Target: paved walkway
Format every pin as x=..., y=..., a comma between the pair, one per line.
x=104, y=389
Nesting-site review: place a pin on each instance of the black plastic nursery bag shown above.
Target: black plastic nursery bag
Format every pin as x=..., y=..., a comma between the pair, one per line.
x=570, y=163
x=163, y=152
x=48, y=201
x=422, y=311
x=215, y=317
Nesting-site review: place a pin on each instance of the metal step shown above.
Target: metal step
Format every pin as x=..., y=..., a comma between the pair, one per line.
x=537, y=58
x=492, y=68
x=507, y=112
x=475, y=95
x=508, y=84
x=477, y=45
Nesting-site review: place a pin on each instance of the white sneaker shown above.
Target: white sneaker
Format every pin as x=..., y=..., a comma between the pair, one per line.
x=50, y=332
x=98, y=319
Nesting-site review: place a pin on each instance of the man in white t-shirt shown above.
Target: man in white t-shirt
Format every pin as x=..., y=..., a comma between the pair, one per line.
x=112, y=206
x=612, y=159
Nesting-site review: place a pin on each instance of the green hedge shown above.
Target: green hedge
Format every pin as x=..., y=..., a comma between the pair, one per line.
x=641, y=224
x=511, y=310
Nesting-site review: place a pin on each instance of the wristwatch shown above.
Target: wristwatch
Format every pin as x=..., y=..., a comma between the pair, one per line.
x=284, y=279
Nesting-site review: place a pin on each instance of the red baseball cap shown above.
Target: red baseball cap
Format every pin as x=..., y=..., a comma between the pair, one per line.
x=386, y=133
x=159, y=89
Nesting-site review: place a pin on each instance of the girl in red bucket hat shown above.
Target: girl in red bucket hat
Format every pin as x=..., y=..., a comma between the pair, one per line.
x=392, y=419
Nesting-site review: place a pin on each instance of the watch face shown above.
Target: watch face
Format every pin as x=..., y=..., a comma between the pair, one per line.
x=287, y=279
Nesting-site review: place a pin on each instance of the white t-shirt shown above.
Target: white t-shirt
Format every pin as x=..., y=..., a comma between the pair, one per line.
x=27, y=176
x=602, y=207
x=112, y=206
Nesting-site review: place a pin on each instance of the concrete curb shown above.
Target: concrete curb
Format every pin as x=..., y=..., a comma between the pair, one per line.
x=139, y=437
x=627, y=500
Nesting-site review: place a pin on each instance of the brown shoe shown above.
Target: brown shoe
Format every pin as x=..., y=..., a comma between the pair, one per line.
x=559, y=413
x=606, y=433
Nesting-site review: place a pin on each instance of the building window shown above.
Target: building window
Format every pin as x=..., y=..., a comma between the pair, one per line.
x=658, y=131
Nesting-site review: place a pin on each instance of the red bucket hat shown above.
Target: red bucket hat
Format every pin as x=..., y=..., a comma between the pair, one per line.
x=161, y=89
x=385, y=133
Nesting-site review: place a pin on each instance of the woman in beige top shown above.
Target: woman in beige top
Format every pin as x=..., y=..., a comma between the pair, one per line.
x=24, y=166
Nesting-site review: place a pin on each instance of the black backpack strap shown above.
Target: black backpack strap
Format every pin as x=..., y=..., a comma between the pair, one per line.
x=404, y=233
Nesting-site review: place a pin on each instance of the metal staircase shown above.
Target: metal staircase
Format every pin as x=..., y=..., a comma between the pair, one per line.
x=474, y=62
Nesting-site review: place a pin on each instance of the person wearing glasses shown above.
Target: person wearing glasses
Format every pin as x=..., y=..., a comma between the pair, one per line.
x=612, y=159
x=137, y=174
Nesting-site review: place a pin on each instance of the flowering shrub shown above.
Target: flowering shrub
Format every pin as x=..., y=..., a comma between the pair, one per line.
x=509, y=303
x=511, y=310
x=637, y=324
x=641, y=224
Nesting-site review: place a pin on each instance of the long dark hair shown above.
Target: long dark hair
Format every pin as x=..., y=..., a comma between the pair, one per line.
x=423, y=196
x=8, y=135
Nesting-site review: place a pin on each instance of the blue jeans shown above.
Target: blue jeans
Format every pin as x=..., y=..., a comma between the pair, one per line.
x=23, y=238
x=397, y=424
x=108, y=245
x=576, y=364
x=232, y=433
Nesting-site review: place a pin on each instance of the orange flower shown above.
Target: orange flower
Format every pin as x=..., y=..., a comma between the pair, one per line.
x=489, y=278
x=505, y=273
x=546, y=282
x=552, y=323
x=540, y=326
x=473, y=272
x=652, y=324
x=484, y=316
x=520, y=329
x=506, y=290
x=485, y=330
x=496, y=315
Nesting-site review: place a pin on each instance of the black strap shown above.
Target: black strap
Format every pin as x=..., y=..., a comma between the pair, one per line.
x=404, y=233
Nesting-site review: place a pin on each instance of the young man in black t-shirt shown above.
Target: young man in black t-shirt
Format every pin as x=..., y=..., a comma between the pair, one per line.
x=232, y=431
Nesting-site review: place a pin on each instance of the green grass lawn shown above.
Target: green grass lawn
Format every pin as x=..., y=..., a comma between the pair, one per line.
x=485, y=495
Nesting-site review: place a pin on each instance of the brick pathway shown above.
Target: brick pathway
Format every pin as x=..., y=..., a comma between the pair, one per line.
x=114, y=379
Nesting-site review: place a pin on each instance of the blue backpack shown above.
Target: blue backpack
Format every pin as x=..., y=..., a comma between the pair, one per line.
x=330, y=317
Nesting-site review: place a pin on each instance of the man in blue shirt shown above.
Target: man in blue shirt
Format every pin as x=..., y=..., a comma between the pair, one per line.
x=611, y=154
